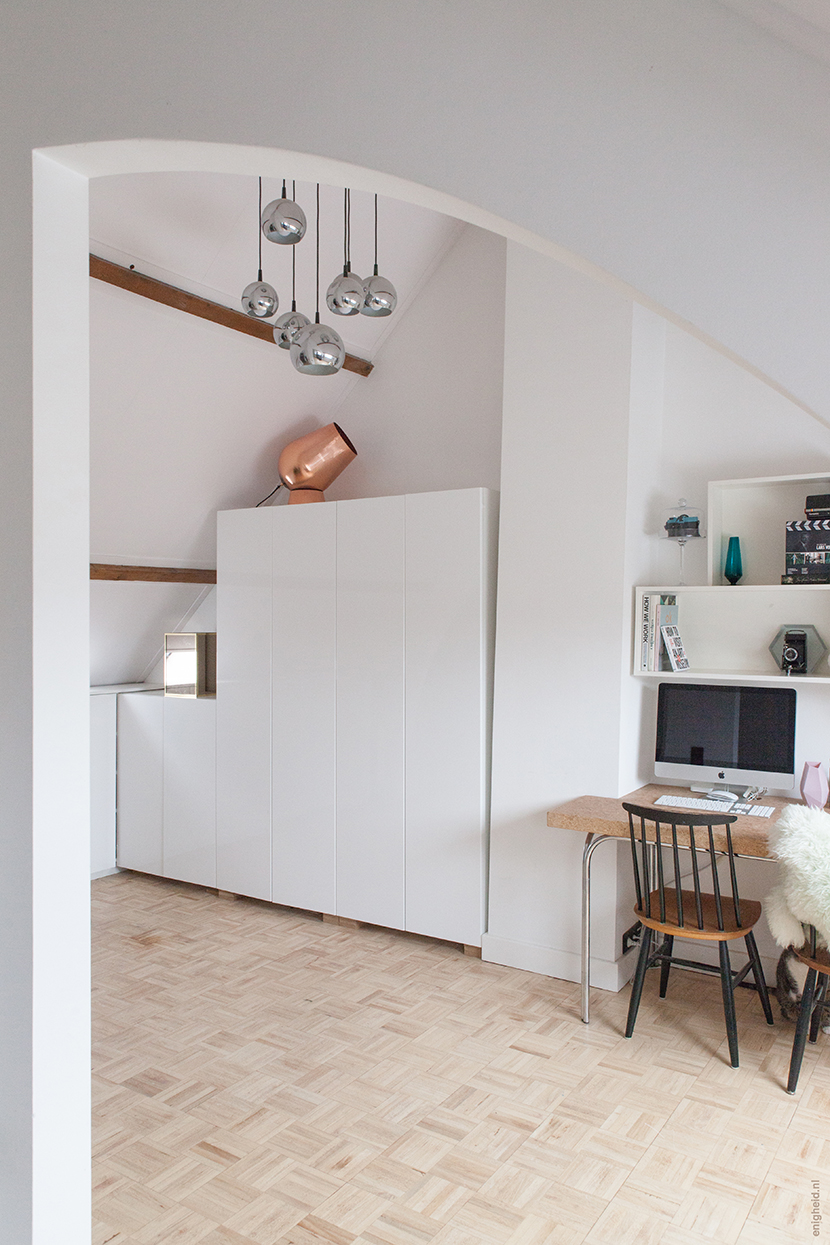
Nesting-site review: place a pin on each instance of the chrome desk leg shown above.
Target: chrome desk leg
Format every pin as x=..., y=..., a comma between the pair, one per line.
x=592, y=842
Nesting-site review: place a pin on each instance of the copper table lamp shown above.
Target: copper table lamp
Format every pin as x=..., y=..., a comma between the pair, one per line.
x=310, y=464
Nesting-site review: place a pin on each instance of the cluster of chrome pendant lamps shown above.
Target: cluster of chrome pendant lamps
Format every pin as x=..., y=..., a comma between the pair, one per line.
x=316, y=349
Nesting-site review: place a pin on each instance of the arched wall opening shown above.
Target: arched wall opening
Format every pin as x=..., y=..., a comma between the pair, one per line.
x=60, y=973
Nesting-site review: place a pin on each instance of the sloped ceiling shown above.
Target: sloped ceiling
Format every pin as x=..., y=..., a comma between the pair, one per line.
x=804, y=24
x=187, y=417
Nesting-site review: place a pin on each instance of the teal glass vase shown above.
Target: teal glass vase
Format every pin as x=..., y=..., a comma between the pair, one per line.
x=732, y=567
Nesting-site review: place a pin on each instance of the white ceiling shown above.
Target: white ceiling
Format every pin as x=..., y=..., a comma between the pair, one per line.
x=804, y=24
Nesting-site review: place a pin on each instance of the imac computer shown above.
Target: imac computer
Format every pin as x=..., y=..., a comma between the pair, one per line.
x=721, y=739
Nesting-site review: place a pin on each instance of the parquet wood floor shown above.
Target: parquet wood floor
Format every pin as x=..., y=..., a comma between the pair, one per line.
x=263, y=1077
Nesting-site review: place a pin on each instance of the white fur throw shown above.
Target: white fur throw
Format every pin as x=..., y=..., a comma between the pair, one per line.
x=800, y=839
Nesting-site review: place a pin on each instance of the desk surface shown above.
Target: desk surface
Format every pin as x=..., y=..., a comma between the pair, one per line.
x=594, y=814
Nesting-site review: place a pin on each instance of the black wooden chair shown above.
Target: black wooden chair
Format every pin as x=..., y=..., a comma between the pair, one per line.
x=813, y=1001
x=664, y=907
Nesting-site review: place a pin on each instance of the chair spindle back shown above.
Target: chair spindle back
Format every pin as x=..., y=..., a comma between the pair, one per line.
x=650, y=868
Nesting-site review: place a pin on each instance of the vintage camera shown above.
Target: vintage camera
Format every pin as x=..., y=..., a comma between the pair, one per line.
x=794, y=652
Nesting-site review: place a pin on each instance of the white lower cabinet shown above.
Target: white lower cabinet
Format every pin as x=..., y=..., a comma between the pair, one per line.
x=166, y=815
x=372, y=698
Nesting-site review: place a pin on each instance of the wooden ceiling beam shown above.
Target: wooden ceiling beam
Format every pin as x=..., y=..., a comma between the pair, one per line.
x=170, y=296
x=152, y=574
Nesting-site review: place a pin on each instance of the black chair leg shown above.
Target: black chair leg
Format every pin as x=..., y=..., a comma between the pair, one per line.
x=802, y=1025
x=728, y=1002
x=639, y=978
x=758, y=974
x=666, y=948
x=818, y=1006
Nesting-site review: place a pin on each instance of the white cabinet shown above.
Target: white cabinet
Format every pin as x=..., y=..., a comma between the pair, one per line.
x=243, y=704
x=141, y=782
x=726, y=630
x=379, y=678
x=166, y=818
x=189, y=791
x=303, y=720
x=102, y=719
x=370, y=711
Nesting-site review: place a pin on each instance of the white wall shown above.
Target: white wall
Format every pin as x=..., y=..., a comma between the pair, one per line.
x=557, y=722
x=666, y=141
x=430, y=415
x=610, y=414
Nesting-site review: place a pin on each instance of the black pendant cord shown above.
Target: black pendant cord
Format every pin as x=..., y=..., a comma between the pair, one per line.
x=349, y=230
x=376, y=234
x=317, y=312
x=345, y=232
x=259, y=232
x=293, y=261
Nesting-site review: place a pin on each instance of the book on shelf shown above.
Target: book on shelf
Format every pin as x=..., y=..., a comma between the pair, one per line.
x=674, y=648
x=658, y=609
x=806, y=575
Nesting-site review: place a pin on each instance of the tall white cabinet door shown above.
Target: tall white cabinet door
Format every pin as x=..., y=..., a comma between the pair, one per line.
x=243, y=702
x=140, y=769
x=102, y=753
x=303, y=774
x=448, y=642
x=370, y=710
x=190, y=790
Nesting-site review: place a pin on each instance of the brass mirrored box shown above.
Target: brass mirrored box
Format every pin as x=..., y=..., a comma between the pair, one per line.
x=190, y=664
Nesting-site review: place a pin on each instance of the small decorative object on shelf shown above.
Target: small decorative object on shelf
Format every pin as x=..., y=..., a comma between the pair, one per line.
x=682, y=525
x=733, y=567
x=808, y=550
x=814, y=788
x=674, y=648
x=798, y=649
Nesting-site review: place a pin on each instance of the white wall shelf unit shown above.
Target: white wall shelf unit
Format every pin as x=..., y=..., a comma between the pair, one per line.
x=757, y=512
x=726, y=630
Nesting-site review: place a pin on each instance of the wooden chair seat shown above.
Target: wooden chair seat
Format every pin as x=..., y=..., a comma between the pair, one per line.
x=750, y=913
x=820, y=961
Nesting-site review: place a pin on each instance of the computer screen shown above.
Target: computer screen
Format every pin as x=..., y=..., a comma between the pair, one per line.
x=716, y=733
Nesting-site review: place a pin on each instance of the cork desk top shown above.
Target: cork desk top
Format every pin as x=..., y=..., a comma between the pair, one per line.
x=594, y=814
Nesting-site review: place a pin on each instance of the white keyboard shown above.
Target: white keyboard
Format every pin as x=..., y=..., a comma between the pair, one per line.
x=716, y=806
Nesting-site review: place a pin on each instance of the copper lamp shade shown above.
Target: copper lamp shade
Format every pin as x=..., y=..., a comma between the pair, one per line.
x=310, y=464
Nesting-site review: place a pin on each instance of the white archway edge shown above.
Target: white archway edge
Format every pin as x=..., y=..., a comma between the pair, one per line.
x=105, y=159
x=57, y=1112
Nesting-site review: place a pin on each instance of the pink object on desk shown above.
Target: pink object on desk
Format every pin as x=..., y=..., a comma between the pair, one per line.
x=814, y=789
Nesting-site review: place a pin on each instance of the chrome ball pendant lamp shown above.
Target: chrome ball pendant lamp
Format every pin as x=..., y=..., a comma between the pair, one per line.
x=259, y=299
x=283, y=221
x=290, y=322
x=345, y=294
x=380, y=298
x=316, y=349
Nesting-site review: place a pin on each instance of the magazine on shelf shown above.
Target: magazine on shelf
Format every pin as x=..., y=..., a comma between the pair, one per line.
x=674, y=648
x=666, y=617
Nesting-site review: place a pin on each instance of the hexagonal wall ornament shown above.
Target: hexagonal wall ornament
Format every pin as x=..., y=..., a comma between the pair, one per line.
x=788, y=656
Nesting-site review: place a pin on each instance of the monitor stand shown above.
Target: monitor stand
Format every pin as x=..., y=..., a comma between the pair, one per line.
x=716, y=791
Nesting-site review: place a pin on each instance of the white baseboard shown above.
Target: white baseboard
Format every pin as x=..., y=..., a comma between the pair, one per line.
x=566, y=965
x=104, y=873
x=605, y=974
